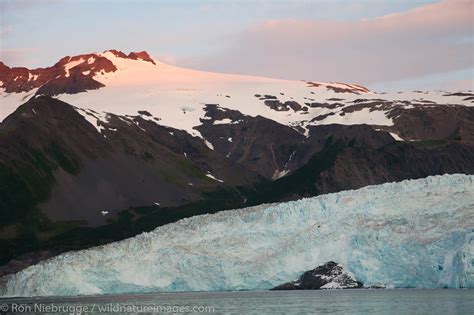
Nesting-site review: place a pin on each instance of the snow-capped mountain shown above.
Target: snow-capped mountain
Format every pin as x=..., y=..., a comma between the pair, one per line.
x=103, y=146
x=137, y=85
x=423, y=240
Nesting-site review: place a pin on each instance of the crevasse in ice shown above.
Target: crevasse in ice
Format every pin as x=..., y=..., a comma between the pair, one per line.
x=416, y=233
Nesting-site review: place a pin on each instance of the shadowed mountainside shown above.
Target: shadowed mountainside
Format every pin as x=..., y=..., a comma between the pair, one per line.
x=57, y=173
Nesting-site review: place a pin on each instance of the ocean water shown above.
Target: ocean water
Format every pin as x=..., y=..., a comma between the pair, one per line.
x=396, y=301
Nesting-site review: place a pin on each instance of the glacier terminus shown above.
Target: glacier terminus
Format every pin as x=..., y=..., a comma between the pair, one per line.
x=410, y=234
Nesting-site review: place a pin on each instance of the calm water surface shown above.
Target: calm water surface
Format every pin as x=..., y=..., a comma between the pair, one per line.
x=408, y=301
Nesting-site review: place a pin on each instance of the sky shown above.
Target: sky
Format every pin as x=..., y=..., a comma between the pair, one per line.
x=384, y=45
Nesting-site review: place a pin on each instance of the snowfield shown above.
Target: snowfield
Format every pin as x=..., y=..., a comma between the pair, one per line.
x=415, y=233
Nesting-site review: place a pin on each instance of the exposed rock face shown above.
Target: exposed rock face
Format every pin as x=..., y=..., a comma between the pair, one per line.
x=69, y=75
x=143, y=55
x=328, y=276
x=58, y=78
x=341, y=87
x=286, y=106
x=257, y=143
x=436, y=122
x=117, y=53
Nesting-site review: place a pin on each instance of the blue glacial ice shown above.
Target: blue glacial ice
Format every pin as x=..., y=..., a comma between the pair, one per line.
x=416, y=233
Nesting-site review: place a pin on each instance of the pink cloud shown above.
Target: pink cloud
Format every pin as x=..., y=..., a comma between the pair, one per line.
x=430, y=39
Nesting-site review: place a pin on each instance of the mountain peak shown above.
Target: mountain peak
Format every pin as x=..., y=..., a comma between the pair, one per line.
x=117, y=53
x=71, y=74
x=143, y=55
x=140, y=55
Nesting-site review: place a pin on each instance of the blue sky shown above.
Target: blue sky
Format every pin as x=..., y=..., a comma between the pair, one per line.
x=261, y=37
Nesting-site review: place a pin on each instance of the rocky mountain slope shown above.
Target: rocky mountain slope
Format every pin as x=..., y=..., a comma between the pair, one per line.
x=103, y=146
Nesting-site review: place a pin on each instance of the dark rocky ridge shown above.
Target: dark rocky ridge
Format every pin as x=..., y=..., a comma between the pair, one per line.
x=348, y=88
x=328, y=276
x=55, y=80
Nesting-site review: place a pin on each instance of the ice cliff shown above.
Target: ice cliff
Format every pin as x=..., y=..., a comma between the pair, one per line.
x=416, y=233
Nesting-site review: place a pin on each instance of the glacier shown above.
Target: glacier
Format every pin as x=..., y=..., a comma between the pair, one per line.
x=411, y=234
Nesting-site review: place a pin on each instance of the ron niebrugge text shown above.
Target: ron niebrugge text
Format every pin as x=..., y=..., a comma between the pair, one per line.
x=103, y=308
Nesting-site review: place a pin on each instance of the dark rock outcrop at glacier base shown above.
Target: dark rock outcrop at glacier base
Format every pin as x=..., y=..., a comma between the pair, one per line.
x=328, y=276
